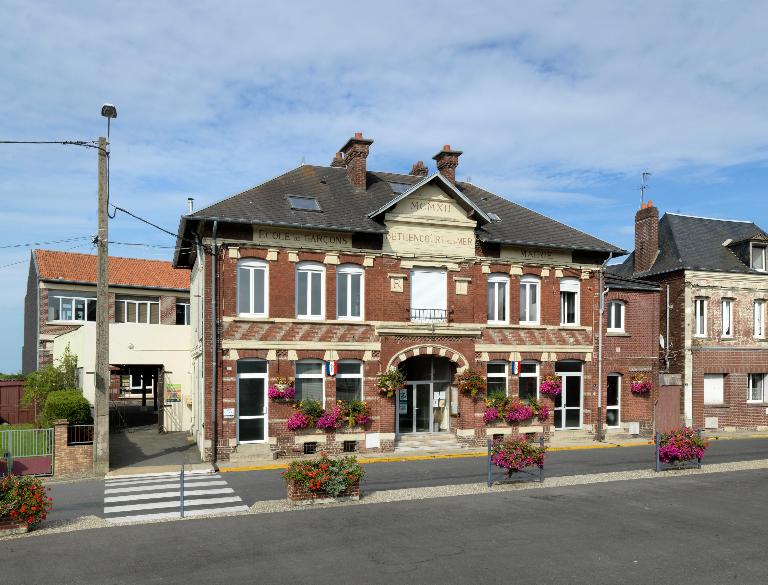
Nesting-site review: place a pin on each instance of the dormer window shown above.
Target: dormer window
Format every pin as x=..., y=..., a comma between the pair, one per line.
x=299, y=203
x=758, y=257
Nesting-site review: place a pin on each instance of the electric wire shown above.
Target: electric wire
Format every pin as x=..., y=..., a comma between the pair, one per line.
x=7, y=246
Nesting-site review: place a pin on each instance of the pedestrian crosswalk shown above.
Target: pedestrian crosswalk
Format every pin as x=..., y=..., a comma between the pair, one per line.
x=157, y=496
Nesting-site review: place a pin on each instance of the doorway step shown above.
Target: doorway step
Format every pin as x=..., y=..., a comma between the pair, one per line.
x=251, y=453
x=423, y=443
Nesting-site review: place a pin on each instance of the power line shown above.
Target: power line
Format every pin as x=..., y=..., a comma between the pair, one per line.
x=151, y=245
x=6, y=246
x=25, y=260
x=154, y=225
x=83, y=143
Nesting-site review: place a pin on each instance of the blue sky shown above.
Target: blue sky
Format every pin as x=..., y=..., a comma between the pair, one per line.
x=556, y=105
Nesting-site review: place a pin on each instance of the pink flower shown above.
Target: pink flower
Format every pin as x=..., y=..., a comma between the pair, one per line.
x=298, y=420
x=491, y=414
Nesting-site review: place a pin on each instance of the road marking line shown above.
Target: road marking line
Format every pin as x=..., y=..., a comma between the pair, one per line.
x=174, y=494
x=176, y=515
x=163, y=473
x=170, y=504
x=160, y=480
x=144, y=488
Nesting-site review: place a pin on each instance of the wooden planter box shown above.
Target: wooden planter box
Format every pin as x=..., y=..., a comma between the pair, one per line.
x=299, y=495
x=9, y=527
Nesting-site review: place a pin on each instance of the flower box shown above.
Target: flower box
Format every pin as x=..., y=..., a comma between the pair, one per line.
x=513, y=411
x=323, y=480
x=10, y=527
x=640, y=386
x=282, y=390
x=298, y=494
x=516, y=455
x=551, y=386
x=23, y=502
x=679, y=449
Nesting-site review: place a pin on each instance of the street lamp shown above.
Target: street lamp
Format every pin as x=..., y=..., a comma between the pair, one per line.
x=109, y=111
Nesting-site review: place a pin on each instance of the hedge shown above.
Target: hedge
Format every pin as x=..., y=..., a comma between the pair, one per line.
x=68, y=404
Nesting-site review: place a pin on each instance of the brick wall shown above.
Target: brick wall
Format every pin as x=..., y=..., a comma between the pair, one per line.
x=70, y=461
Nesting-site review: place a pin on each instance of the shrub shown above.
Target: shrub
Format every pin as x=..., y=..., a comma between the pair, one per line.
x=23, y=499
x=332, y=476
x=68, y=404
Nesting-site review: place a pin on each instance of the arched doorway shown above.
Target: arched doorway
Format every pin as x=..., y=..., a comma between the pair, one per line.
x=423, y=406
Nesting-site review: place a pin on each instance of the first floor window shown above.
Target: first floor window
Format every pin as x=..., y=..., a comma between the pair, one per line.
x=714, y=385
x=349, y=381
x=429, y=295
x=137, y=310
x=616, y=316
x=349, y=292
x=727, y=318
x=757, y=387
x=309, y=380
x=569, y=301
x=759, y=260
x=759, y=318
x=309, y=290
x=613, y=400
x=498, y=298
x=71, y=308
x=497, y=379
x=182, y=313
x=528, y=381
x=700, y=312
x=529, y=300
x=252, y=287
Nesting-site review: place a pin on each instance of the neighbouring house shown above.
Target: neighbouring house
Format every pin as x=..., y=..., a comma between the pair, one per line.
x=714, y=289
x=329, y=275
x=149, y=332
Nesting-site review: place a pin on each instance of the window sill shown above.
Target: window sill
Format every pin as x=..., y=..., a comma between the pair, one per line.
x=720, y=405
x=68, y=322
x=570, y=325
x=759, y=403
x=618, y=334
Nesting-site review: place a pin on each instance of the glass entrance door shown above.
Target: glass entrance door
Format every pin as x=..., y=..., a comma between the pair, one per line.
x=568, y=403
x=251, y=401
x=414, y=408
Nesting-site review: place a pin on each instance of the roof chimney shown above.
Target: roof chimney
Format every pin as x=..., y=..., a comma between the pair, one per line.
x=338, y=160
x=419, y=169
x=355, y=151
x=646, y=237
x=190, y=205
x=447, y=161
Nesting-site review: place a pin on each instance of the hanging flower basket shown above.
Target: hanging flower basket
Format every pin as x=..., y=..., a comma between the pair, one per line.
x=282, y=390
x=517, y=454
x=551, y=386
x=640, y=385
x=471, y=383
x=390, y=382
x=681, y=445
x=514, y=411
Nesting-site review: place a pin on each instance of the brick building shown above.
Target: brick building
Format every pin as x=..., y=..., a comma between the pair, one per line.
x=712, y=274
x=149, y=328
x=331, y=275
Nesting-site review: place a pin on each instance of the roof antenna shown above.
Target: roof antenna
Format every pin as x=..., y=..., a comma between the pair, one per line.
x=643, y=187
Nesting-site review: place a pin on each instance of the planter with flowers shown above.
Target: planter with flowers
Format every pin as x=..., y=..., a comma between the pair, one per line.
x=282, y=390
x=390, y=382
x=305, y=415
x=321, y=480
x=514, y=411
x=516, y=454
x=471, y=383
x=24, y=503
x=640, y=385
x=551, y=386
x=680, y=448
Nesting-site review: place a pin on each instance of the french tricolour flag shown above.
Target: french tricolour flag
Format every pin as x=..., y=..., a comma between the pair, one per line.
x=515, y=368
x=331, y=367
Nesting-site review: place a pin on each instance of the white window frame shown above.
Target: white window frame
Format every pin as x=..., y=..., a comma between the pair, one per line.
x=714, y=377
x=416, y=316
x=494, y=280
x=526, y=283
x=759, y=319
x=700, y=317
x=185, y=304
x=347, y=269
x=311, y=268
x=726, y=306
x=570, y=285
x=359, y=376
x=311, y=376
x=529, y=375
x=762, y=380
x=142, y=301
x=762, y=250
x=252, y=265
x=57, y=298
x=496, y=375
x=617, y=407
x=622, y=315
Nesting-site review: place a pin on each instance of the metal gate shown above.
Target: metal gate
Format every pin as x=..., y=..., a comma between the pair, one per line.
x=668, y=408
x=26, y=452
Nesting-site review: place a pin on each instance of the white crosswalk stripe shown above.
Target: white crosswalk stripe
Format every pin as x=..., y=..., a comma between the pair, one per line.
x=147, y=497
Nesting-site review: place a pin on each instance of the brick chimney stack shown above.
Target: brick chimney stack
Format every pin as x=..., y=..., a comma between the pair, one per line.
x=419, y=169
x=447, y=161
x=338, y=160
x=355, y=152
x=646, y=237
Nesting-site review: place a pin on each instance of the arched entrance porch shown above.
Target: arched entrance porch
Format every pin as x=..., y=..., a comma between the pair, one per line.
x=424, y=405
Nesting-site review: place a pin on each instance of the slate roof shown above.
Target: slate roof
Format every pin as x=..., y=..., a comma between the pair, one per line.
x=615, y=282
x=695, y=243
x=345, y=209
x=55, y=266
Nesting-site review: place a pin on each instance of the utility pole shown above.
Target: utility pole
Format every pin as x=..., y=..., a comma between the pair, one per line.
x=101, y=401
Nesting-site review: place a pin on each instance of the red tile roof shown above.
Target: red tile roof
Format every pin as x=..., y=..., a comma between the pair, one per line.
x=73, y=267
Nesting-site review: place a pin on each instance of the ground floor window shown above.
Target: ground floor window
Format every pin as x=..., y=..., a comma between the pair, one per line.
x=528, y=381
x=497, y=379
x=613, y=400
x=349, y=381
x=714, y=385
x=757, y=387
x=309, y=380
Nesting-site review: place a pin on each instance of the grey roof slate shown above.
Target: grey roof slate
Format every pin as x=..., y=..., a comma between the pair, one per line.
x=614, y=281
x=695, y=243
x=345, y=209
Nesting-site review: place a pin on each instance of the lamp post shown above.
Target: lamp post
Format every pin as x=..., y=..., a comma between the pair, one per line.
x=102, y=377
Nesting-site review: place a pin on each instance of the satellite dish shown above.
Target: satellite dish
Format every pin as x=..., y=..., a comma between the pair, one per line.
x=661, y=341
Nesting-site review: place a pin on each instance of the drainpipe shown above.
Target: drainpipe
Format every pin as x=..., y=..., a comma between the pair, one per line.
x=214, y=344
x=666, y=341
x=599, y=426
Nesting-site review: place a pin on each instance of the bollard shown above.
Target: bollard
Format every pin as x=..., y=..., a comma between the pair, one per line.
x=490, y=470
x=657, y=439
x=541, y=469
x=181, y=491
x=698, y=459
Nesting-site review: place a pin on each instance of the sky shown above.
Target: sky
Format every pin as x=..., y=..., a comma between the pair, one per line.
x=558, y=106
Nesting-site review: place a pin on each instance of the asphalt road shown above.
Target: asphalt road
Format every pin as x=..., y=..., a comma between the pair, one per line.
x=707, y=529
